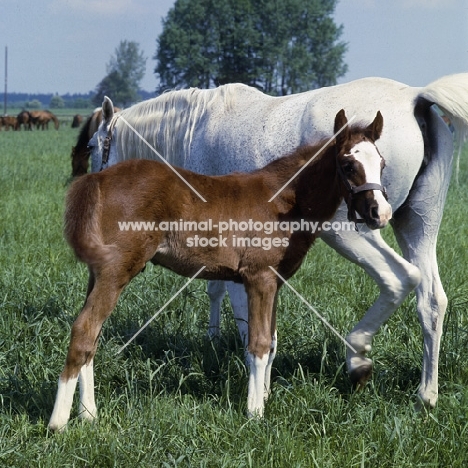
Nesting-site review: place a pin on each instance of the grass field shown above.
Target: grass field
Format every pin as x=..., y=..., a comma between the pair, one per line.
x=174, y=399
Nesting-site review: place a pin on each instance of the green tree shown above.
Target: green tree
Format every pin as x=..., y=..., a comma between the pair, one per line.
x=280, y=46
x=34, y=104
x=57, y=102
x=124, y=74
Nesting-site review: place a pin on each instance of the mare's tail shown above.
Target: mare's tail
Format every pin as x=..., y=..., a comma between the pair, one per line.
x=450, y=93
x=83, y=229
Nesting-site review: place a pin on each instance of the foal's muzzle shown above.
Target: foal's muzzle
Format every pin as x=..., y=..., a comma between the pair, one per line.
x=371, y=213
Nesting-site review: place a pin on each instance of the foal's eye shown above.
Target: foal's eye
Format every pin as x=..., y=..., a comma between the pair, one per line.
x=348, y=168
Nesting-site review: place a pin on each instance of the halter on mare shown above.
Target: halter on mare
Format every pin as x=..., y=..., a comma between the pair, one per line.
x=107, y=143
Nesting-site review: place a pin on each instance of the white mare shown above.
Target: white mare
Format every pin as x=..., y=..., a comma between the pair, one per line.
x=237, y=128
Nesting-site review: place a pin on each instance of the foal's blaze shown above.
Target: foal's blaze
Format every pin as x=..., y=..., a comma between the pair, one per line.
x=142, y=190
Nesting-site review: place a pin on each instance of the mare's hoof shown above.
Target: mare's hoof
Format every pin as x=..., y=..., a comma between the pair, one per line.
x=425, y=405
x=56, y=428
x=360, y=376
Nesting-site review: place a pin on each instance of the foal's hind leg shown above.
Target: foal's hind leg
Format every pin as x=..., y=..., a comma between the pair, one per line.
x=87, y=408
x=83, y=343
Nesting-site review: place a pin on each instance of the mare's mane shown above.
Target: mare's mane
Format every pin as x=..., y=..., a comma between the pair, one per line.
x=168, y=121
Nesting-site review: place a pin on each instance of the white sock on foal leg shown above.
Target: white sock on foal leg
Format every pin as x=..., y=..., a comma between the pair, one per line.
x=271, y=358
x=255, y=396
x=88, y=408
x=63, y=404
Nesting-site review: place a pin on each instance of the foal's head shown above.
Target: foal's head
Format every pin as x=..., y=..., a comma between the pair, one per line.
x=360, y=167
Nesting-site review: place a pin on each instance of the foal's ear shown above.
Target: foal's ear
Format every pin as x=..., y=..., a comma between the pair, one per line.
x=341, y=125
x=107, y=110
x=374, y=130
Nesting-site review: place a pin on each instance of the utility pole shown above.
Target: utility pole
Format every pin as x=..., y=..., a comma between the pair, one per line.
x=5, y=99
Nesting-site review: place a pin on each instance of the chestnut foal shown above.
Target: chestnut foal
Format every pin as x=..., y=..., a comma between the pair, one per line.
x=143, y=190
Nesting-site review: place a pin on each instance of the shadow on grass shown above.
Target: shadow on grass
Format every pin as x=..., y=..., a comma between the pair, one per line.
x=172, y=359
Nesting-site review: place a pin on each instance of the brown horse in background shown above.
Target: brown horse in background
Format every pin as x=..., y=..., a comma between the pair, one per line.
x=24, y=119
x=305, y=186
x=80, y=152
x=41, y=119
x=9, y=121
x=77, y=120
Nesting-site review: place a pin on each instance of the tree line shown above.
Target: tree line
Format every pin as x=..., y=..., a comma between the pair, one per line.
x=278, y=46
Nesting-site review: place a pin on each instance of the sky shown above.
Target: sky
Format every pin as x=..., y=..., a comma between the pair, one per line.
x=61, y=46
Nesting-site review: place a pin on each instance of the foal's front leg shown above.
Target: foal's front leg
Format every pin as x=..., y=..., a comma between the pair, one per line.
x=239, y=303
x=262, y=340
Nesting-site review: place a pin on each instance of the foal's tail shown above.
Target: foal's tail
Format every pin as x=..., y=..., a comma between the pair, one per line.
x=83, y=221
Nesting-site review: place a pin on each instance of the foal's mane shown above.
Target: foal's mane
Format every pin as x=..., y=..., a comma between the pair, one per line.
x=168, y=121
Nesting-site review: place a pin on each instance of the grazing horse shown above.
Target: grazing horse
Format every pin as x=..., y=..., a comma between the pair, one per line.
x=41, y=119
x=80, y=152
x=76, y=122
x=24, y=119
x=236, y=127
x=9, y=121
x=303, y=187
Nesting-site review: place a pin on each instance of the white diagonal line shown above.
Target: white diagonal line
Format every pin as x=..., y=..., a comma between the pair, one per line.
x=161, y=309
x=159, y=155
x=324, y=320
x=311, y=159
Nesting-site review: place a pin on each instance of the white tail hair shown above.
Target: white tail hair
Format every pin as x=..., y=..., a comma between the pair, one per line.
x=450, y=93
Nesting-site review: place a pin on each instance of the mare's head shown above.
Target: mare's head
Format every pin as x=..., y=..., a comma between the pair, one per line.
x=102, y=144
x=360, y=166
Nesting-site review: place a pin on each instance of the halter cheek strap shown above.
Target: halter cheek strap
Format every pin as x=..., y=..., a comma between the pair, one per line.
x=107, y=143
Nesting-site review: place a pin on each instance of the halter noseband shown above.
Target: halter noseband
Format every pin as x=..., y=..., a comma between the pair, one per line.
x=354, y=190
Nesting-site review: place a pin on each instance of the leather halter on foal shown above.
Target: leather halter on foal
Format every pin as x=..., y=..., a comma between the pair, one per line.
x=354, y=190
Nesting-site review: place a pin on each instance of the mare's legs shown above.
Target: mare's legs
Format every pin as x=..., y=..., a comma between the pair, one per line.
x=416, y=226
x=238, y=298
x=216, y=291
x=395, y=277
x=239, y=303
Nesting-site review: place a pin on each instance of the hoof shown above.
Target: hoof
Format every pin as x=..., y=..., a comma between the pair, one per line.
x=423, y=405
x=360, y=376
x=56, y=428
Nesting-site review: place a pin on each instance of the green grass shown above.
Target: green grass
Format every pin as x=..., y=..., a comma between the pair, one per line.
x=174, y=399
